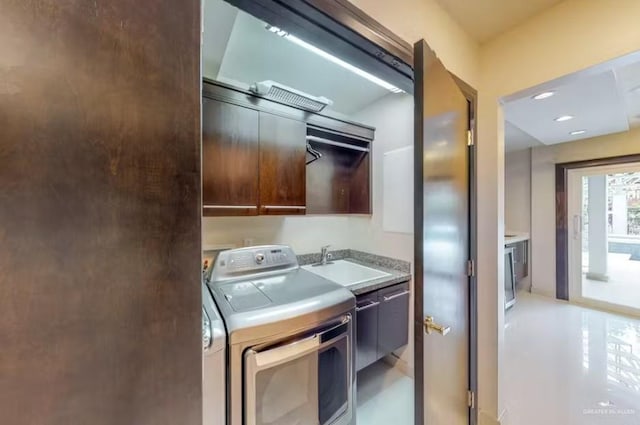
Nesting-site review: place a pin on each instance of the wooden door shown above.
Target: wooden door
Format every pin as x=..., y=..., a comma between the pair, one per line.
x=230, y=159
x=100, y=298
x=282, y=165
x=442, y=236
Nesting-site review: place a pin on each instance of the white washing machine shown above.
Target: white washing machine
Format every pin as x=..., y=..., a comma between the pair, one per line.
x=214, y=370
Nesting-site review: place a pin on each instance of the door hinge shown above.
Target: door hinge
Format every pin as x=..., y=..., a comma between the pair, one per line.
x=470, y=141
x=471, y=268
x=471, y=399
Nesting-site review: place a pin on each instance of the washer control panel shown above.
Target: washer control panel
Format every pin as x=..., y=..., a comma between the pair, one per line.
x=244, y=262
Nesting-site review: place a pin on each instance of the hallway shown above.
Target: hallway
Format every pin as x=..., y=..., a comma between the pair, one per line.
x=569, y=365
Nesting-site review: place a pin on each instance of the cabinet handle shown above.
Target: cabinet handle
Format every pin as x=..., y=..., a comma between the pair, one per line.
x=230, y=207
x=368, y=306
x=283, y=207
x=394, y=296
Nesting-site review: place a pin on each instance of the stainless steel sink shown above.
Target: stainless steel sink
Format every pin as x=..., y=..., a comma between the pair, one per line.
x=346, y=273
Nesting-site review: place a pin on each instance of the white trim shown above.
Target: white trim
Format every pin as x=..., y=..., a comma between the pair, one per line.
x=574, y=229
x=543, y=292
x=399, y=364
x=601, y=277
x=607, y=307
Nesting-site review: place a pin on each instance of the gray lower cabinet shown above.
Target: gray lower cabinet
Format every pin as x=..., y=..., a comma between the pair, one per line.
x=382, y=323
x=393, y=319
x=367, y=307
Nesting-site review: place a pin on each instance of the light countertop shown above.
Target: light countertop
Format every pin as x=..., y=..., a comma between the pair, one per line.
x=398, y=271
x=515, y=237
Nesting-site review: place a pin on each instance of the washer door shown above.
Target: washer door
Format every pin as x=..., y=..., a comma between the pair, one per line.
x=304, y=381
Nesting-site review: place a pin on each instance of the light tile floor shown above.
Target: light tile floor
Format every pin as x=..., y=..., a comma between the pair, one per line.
x=384, y=396
x=623, y=287
x=569, y=365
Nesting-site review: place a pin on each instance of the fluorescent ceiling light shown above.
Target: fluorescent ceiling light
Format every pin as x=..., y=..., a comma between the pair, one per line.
x=564, y=118
x=577, y=132
x=334, y=59
x=277, y=31
x=544, y=95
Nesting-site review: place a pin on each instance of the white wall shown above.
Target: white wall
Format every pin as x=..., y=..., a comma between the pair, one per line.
x=543, y=161
x=426, y=19
x=517, y=198
x=305, y=234
x=517, y=191
x=393, y=118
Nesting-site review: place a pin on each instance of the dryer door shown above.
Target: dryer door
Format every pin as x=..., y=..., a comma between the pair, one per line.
x=303, y=381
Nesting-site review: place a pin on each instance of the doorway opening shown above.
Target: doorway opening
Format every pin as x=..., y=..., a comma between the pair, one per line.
x=308, y=141
x=604, y=248
x=570, y=177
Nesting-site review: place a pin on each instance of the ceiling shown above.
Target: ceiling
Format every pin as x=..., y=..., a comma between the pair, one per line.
x=238, y=49
x=485, y=19
x=517, y=140
x=603, y=102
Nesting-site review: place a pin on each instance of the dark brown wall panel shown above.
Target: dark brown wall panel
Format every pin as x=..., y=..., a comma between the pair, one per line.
x=100, y=212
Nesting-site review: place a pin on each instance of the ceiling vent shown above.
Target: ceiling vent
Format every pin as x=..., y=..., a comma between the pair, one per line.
x=288, y=96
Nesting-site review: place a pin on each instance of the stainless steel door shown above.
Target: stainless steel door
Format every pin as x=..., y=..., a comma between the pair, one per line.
x=442, y=244
x=509, y=278
x=304, y=381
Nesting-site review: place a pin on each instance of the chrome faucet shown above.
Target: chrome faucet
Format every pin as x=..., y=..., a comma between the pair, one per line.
x=325, y=256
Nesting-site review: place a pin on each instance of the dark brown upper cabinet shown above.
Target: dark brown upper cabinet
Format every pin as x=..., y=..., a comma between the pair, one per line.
x=254, y=158
x=230, y=159
x=282, y=165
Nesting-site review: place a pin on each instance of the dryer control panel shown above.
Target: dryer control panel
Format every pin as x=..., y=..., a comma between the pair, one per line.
x=245, y=262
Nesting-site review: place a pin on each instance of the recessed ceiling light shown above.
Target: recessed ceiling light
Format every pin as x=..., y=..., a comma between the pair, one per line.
x=564, y=118
x=577, y=132
x=544, y=95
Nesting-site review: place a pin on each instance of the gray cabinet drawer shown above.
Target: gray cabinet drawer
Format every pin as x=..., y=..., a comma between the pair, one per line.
x=366, y=329
x=393, y=318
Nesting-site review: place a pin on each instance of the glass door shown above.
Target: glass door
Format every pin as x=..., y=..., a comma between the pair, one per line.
x=604, y=249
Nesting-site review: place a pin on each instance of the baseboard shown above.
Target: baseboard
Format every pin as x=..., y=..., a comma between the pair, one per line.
x=486, y=419
x=399, y=364
x=631, y=312
x=597, y=276
x=543, y=292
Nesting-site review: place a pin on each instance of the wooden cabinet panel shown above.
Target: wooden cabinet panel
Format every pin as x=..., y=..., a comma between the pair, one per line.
x=366, y=330
x=393, y=322
x=339, y=182
x=360, y=193
x=230, y=159
x=282, y=165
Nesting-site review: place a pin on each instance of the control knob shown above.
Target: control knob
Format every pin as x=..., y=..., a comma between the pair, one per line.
x=259, y=258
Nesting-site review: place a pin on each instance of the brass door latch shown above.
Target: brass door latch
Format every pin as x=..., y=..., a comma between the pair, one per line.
x=430, y=326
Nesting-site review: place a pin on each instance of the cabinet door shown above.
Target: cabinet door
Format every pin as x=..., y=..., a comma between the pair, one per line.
x=393, y=319
x=230, y=159
x=520, y=260
x=366, y=330
x=282, y=165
